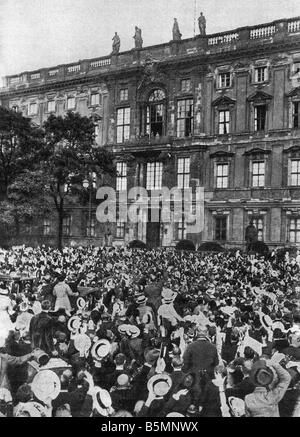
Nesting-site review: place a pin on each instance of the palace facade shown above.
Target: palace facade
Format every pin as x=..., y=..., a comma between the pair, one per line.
x=217, y=111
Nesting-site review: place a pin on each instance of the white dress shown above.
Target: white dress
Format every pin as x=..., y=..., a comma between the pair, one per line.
x=6, y=324
x=62, y=291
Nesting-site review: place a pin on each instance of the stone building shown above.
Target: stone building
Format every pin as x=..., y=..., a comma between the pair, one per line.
x=216, y=111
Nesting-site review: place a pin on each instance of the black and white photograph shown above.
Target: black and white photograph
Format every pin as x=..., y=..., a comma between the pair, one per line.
x=149, y=211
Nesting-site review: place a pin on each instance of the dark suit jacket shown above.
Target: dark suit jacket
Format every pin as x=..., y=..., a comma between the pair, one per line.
x=41, y=332
x=200, y=355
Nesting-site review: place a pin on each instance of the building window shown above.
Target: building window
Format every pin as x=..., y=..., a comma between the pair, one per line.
x=183, y=173
x=181, y=229
x=71, y=103
x=124, y=94
x=295, y=115
x=222, y=175
x=66, y=226
x=120, y=230
x=154, y=175
x=224, y=80
x=224, y=120
x=95, y=99
x=294, y=230
x=258, y=174
x=185, y=117
x=221, y=228
x=97, y=131
x=260, y=74
x=90, y=227
x=259, y=224
x=295, y=172
x=155, y=115
x=51, y=106
x=260, y=117
x=33, y=109
x=46, y=227
x=123, y=124
x=121, y=182
x=185, y=85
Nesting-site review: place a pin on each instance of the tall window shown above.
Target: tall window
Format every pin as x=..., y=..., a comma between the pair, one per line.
x=258, y=174
x=294, y=230
x=51, y=106
x=71, y=103
x=90, y=226
x=185, y=116
x=221, y=228
x=296, y=115
x=120, y=230
x=185, y=85
x=154, y=175
x=295, y=172
x=124, y=94
x=224, y=80
x=222, y=175
x=46, y=227
x=123, y=124
x=66, y=226
x=224, y=120
x=95, y=99
x=33, y=109
x=181, y=229
x=259, y=224
x=155, y=114
x=260, y=117
x=260, y=74
x=121, y=183
x=183, y=173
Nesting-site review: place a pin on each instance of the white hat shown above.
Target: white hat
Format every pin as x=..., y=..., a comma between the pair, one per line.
x=34, y=409
x=74, y=323
x=168, y=295
x=266, y=321
x=237, y=406
x=160, y=384
x=81, y=303
x=37, y=307
x=175, y=414
x=46, y=384
x=133, y=331
x=23, y=306
x=101, y=349
x=82, y=342
x=123, y=328
x=278, y=325
x=102, y=401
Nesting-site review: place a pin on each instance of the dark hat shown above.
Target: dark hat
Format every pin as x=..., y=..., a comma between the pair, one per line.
x=261, y=375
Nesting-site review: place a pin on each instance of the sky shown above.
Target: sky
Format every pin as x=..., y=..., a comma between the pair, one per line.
x=43, y=33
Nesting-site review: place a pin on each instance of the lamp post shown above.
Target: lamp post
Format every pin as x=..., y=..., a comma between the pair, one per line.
x=87, y=184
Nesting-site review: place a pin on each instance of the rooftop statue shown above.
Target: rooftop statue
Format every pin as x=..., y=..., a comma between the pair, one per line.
x=116, y=44
x=138, y=38
x=202, y=24
x=176, y=32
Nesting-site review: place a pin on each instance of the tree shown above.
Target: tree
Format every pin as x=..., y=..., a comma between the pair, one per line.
x=68, y=155
x=19, y=147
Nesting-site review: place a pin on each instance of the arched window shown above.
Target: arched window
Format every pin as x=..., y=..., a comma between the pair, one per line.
x=155, y=113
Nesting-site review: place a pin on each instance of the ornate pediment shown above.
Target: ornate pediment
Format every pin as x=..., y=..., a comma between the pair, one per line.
x=295, y=92
x=223, y=101
x=221, y=154
x=259, y=96
x=257, y=151
x=151, y=73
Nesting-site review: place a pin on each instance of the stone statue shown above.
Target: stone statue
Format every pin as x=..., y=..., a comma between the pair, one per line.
x=202, y=24
x=138, y=38
x=176, y=32
x=116, y=44
x=251, y=235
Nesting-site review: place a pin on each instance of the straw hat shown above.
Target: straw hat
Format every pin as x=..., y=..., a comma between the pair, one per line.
x=160, y=384
x=101, y=349
x=102, y=401
x=46, y=384
x=133, y=331
x=81, y=303
x=74, y=323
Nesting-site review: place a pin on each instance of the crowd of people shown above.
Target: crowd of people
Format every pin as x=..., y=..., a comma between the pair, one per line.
x=118, y=332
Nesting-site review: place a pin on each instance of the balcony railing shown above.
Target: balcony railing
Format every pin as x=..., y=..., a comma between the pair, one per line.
x=281, y=28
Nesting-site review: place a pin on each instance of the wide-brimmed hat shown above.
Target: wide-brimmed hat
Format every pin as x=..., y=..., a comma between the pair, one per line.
x=4, y=291
x=74, y=323
x=82, y=343
x=261, y=375
x=237, y=406
x=101, y=349
x=123, y=328
x=160, y=384
x=46, y=384
x=81, y=303
x=141, y=299
x=174, y=414
x=133, y=331
x=23, y=306
x=147, y=318
x=102, y=401
x=266, y=321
